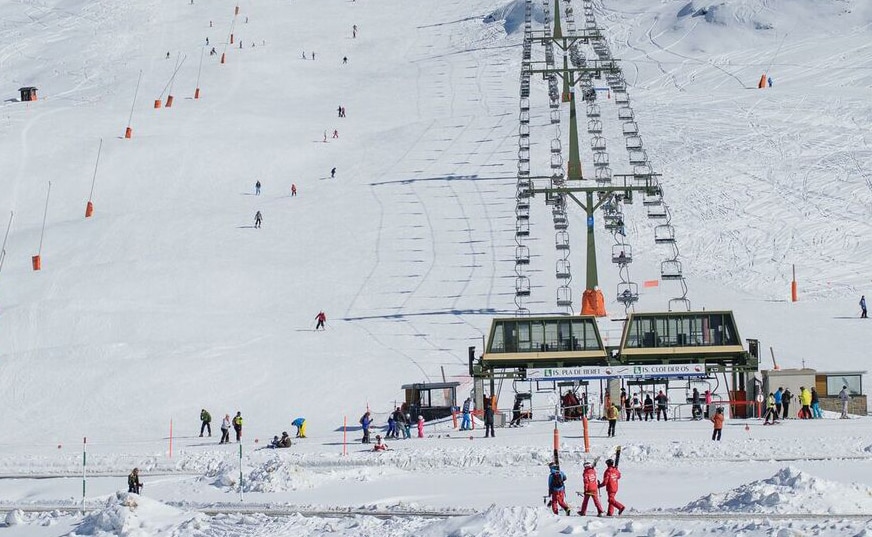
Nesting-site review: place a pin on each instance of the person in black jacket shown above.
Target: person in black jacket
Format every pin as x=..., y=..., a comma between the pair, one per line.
x=133, y=483
x=488, y=417
x=785, y=403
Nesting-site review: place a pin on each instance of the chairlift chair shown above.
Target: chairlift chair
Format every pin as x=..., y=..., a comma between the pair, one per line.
x=563, y=271
x=522, y=228
x=564, y=296
x=561, y=240
x=638, y=156
x=628, y=293
x=633, y=142
x=681, y=302
x=656, y=211
x=622, y=254
x=651, y=198
x=522, y=255
x=594, y=126
x=600, y=159
x=671, y=270
x=603, y=176
x=522, y=286
x=625, y=113
x=593, y=110
x=664, y=234
x=630, y=128
x=598, y=143
x=555, y=117
x=621, y=97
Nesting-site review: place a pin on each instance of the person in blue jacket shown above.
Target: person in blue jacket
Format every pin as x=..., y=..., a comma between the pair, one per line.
x=466, y=424
x=365, y=422
x=557, y=488
x=778, y=397
x=300, y=424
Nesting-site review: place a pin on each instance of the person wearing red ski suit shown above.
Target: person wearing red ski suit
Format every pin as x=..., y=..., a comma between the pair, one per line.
x=591, y=490
x=610, y=482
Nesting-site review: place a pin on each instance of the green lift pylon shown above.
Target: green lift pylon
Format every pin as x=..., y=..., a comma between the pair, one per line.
x=593, y=302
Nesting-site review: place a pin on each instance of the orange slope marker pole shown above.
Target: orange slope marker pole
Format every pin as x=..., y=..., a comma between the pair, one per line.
x=128, y=133
x=37, y=259
x=199, y=70
x=794, y=295
x=89, y=208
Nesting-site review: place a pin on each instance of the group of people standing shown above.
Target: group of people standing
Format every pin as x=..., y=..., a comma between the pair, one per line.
x=636, y=407
x=778, y=404
x=611, y=476
x=226, y=423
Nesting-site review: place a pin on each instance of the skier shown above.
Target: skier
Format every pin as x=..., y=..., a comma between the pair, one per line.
x=392, y=425
x=661, y=400
x=863, y=307
x=815, y=404
x=610, y=482
x=365, y=422
x=321, y=318
x=332, y=173
x=489, y=417
x=465, y=424
x=770, y=409
x=378, y=444
x=258, y=220
x=335, y=133
x=708, y=403
x=300, y=424
x=293, y=189
x=207, y=41
x=213, y=52
x=718, y=421
x=613, y=413
x=591, y=490
x=628, y=407
x=275, y=443
x=257, y=188
x=285, y=441
x=406, y=424
x=420, y=426
x=339, y=111
x=779, y=397
x=225, y=430
x=786, y=396
x=345, y=59
x=354, y=31
x=205, y=422
x=557, y=489
x=313, y=55
x=769, y=81
x=844, y=398
x=168, y=55
x=133, y=483
x=696, y=410
x=805, y=401
x=304, y=55
x=237, y=426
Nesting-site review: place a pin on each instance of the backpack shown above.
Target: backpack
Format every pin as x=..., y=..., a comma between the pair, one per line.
x=556, y=480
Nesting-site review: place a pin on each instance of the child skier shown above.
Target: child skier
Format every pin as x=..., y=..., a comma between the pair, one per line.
x=718, y=421
x=420, y=426
x=610, y=482
x=591, y=490
x=557, y=489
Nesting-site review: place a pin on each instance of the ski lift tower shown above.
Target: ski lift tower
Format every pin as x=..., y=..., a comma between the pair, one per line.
x=593, y=302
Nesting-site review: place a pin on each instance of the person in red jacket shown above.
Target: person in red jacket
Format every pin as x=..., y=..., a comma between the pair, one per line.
x=610, y=482
x=591, y=490
x=321, y=318
x=557, y=488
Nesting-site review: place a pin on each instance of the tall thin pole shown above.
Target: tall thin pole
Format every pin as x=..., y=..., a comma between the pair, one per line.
x=345, y=436
x=199, y=70
x=240, y=473
x=84, y=464
x=171, y=438
x=44, y=217
x=135, y=93
x=96, y=164
x=5, y=238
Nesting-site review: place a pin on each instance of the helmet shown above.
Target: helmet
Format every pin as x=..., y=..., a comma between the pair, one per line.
x=587, y=464
x=552, y=465
x=284, y=433
x=610, y=462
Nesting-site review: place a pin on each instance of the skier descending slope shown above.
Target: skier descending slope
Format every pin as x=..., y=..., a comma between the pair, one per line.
x=321, y=318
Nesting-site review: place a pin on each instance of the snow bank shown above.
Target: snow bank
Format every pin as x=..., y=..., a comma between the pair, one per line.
x=788, y=491
x=511, y=16
x=131, y=515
